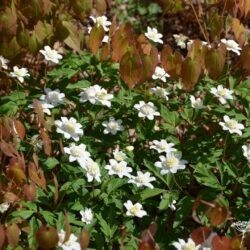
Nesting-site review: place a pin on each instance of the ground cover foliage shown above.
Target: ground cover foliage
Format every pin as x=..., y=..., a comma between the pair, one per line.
x=124, y=136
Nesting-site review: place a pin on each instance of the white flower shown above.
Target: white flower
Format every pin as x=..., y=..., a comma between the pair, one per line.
x=4, y=207
x=45, y=106
x=171, y=163
x=70, y=244
x=152, y=34
x=130, y=148
x=69, y=128
x=222, y=93
x=182, y=245
x=3, y=62
x=231, y=125
x=146, y=110
x=242, y=226
x=161, y=92
x=163, y=146
x=119, y=155
x=196, y=103
x=89, y=94
x=112, y=126
x=172, y=205
x=93, y=170
x=246, y=151
x=53, y=97
x=142, y=179
x=87, y=215
x=118, y=168
x=160, y=73
x=134, y=210
x=103, y=97
x=51, y=54
x=180, y=40
x=19, y=73
x=232, y=45
x=101, y=21
x=77, y=153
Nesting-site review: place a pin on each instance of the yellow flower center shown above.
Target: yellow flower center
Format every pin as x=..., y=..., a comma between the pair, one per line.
x=118, y=168
x=147, y=109
x=75, y=151
x=189, y=247
x=70, y=127
x=232, y=124
x=222, y=92
x=171, y=162
x=134, y=210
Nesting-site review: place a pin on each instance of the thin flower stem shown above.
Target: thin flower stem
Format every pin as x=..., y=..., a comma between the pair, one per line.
x=199, y=23
x=225, y=146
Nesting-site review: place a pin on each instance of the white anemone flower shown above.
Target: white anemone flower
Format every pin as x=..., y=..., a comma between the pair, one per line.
x=160, y=73
x=112, y=126
x=163, y=146
x=231, y=125
x=223, y=94
x=246, y=151
x=154, y=35
x=134, y=209
x=71, y=244
x=4, y=207
x=119, y=155
x=182, y=245
x=104, y=98
x=51, y=54
x=3, y=62
x=171, y=163
x=161, y=92
x=142, y=179
x=53, y=97
x=148, y=110
x=19, y=73
x=118, y=168
x=87, y=215
x=172, y=205
x=77, y=153
x=69, y=128
x=232, y=45
x=101, y=21
x=196, y=103
x=89, y=94
x=180, y=40
x=93, y=170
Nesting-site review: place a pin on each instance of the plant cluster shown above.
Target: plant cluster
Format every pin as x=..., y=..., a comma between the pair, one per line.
x=131, y=145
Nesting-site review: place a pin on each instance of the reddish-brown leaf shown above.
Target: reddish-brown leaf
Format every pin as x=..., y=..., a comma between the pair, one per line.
x=144, y=245
x=84, y=239
x=12, y=233
x=239, y=31
x=2, y=236
x=215, y=62
x=19, y=129
x=200, y=234
x=11, y=197
x=95, y=38
x=246, y=240
x=220, y=243
x=46, y=142
x=235, y=243
x=8, y=149
x=171, y=62
x=100, y=6
x=245, y=58
x=190, y=73
x=105, y=52
x=218, y=215
x=16, y=174
x=29, y=191
x=67, y=227
x=131, y=69
x=37, y=175
x=39, y=110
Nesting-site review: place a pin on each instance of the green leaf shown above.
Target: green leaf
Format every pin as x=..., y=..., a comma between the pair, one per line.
x=205, y=176
x=24, y=214
x=114, y=184
x=148, y=193
x=51, y=162
x=79, y=85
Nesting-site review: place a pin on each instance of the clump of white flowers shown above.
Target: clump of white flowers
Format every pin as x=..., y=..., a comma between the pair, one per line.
x=118, y=168
x=3, y=62
x=70, y=244
x=134, y=209
x=4, y=207
x=101, y=21
x=161, y=92
x=196, y=103
x=119, y=155
x=52, y=97
x=154, y=35
x=142, y=179
x=93, y=170
x=246, y=151
x=162, y=146
x=182, y=245
x=231, y=125
x=180, y=40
